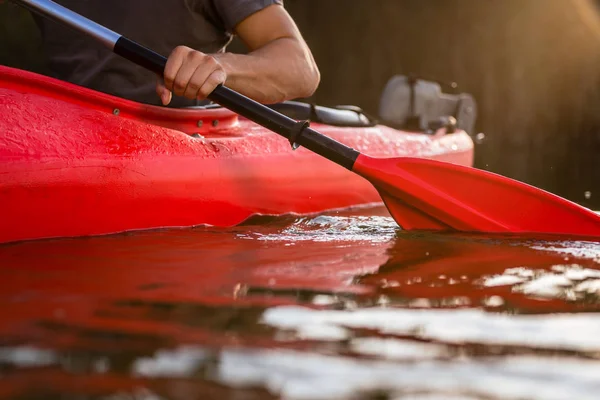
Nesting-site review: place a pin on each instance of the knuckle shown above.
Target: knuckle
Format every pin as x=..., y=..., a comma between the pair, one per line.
x=192, y=56
x=180, y=50
x=192, y=88
x=179, y=86
x=168, y=82
x=197, y=57
x=213, y=79
x=204, y=92
x=219, y=76
x=169, y=76
x=211, y=83
x=211, y=61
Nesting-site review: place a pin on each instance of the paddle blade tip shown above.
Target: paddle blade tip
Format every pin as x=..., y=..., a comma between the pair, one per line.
x=428, y=194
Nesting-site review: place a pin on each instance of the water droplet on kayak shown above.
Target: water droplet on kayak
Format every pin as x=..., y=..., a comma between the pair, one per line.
x=386, y=284
x=101, y=366
x=420, y=303
x=494, y=301
x=323, y=300
x=587, y=195
x=383, y=300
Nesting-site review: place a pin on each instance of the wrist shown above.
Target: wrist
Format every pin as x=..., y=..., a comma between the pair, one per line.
x=228, y=65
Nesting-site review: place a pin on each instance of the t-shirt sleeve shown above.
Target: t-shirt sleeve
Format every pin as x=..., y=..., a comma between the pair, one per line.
x=232, y=12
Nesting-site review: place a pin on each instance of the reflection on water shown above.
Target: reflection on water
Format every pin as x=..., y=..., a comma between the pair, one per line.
x=339, y=306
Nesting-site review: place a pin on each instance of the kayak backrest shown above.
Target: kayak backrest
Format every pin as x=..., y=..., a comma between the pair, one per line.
x=419, y=105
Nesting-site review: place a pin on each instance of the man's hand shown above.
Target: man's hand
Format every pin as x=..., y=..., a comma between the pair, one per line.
x=191, y=74
x=278, y=67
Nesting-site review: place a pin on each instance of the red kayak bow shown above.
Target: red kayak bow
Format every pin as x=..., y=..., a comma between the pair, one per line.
x=420, y=194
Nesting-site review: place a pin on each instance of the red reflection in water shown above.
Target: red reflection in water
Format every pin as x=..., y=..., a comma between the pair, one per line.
x=446, y=267
x=116, y=299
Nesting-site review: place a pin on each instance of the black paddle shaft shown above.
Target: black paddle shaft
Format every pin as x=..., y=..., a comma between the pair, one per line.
x=297, y=132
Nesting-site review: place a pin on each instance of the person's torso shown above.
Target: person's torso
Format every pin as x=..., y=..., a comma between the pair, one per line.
x=160, y=25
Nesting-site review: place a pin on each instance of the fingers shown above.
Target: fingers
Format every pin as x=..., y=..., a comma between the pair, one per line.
x=162, y=92
x=174, y=62
x=216, y=78
x=191, y=74
x=196, y=81
x=205, y=80
x=193, y=61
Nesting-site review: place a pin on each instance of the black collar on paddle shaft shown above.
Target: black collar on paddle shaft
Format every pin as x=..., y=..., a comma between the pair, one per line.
x=297, y=132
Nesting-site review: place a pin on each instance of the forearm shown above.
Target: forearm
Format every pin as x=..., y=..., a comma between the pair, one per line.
x=283, y=69
x=278, y=67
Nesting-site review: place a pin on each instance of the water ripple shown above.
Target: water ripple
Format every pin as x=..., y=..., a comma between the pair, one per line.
x=336, y=306
x=326, y=228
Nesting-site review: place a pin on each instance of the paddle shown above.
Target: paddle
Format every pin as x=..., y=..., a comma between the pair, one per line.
x=419, y=193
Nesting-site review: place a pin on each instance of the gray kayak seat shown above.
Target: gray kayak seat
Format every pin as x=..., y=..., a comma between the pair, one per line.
x=346, y=116
x=419, y=105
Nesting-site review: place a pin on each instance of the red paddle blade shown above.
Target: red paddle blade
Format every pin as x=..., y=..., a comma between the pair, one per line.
x=434, y=195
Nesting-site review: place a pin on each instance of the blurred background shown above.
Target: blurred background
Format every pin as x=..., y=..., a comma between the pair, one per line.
x=533, y=67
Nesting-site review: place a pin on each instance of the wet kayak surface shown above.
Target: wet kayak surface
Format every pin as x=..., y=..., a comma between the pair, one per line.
x=337, y=306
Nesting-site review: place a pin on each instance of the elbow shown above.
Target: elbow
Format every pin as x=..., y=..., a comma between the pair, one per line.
x=297, y=80
x=310, y=81
x=313, y=80
x=296, y=86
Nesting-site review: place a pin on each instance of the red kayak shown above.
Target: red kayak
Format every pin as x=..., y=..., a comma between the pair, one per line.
x=76, y=162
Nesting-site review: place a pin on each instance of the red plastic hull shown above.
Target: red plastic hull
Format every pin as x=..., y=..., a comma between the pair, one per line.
x=74, y=162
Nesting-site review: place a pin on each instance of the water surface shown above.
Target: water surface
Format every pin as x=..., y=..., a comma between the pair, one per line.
x=338, y=306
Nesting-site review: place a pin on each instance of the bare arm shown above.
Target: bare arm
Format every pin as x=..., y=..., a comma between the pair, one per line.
x=278, y=67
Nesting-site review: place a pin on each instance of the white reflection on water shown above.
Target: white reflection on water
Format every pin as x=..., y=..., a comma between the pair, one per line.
x=27, y=356
x=575, y=332
x=417, y=371
x=171, y=363
x=569, y=282
x=311, y=376
x=407, y=370
x=579, y=249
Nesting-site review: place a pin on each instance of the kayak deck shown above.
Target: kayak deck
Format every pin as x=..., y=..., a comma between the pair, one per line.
x=75, y=162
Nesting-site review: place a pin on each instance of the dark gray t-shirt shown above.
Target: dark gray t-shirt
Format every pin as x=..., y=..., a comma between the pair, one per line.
x=161, y=25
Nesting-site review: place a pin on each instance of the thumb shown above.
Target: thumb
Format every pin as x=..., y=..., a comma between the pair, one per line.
x=164, y=93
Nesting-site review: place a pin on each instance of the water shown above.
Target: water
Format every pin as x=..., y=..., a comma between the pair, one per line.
x=340, y=306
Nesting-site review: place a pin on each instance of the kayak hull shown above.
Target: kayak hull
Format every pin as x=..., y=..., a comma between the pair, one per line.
x=75, y=162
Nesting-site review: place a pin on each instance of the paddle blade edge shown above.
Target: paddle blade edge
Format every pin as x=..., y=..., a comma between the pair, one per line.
x=423, y=194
